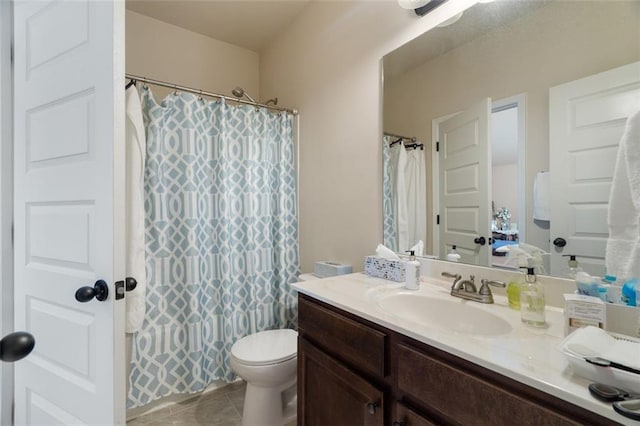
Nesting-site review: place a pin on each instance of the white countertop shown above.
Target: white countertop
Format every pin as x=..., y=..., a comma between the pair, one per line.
x=525, y=354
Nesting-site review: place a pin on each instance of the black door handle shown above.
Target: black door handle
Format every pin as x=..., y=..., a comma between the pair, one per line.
x=480, y=240
x=130, y=283
x=100, y=291
x=16, y=346
x=559, y=242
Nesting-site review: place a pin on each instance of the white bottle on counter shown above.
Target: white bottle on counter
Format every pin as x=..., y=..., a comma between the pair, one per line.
x=453, y=255
x=412, y=272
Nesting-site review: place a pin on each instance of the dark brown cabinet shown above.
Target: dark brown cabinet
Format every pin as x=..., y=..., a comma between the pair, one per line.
x=334, y=395
x=354, y=372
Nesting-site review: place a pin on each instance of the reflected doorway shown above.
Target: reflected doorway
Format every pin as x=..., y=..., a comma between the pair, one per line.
x=505, y=194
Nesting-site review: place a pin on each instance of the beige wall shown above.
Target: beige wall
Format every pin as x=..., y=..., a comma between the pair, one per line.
x=327, y=64
x=579, y=39
x=168, y=53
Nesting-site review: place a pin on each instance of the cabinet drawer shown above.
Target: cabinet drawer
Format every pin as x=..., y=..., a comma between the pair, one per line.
x=460, y=397
x=358, y=345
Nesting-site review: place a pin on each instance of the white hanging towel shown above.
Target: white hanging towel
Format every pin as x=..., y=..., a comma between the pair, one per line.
x=541, y=191
x=135, y=160
x=399, y=194
x=623, y=245
x=415, y=181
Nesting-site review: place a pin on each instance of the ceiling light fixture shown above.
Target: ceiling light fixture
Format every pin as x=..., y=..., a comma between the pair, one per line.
x=420, y=7
x=412, y=4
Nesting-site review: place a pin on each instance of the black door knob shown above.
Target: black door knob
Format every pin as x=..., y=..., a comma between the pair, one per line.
x=100, y=291
x=130, y=283
x=480, y=240
x=16, y=346
x=559, y=242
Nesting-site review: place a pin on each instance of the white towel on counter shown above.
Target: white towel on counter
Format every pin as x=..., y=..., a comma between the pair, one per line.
x=623, y=245
x=541, y=191
x=592, y=341
x=135, y=160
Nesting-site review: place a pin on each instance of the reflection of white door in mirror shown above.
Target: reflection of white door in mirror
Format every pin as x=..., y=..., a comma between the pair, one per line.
x=464, y=162
x=586, y=121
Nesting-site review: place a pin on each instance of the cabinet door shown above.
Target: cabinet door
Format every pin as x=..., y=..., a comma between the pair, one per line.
x=331, y=394
x=404, y=416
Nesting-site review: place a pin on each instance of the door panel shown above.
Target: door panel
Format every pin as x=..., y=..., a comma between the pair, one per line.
x=586, y=121
x=68, y=144
x=465, y=190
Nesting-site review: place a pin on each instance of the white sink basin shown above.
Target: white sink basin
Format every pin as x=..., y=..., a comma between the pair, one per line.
x=455, y=315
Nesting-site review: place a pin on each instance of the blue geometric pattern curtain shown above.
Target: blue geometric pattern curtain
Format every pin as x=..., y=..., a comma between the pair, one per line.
x=388, y=219
x=221, y=239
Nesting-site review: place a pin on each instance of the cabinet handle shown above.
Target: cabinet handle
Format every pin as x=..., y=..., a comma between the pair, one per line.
x=371, y=407
x=398, y=423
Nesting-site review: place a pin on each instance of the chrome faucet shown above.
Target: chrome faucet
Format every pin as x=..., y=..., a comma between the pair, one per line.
x=466, y=289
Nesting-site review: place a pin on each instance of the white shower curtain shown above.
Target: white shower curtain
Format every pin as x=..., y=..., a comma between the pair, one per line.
x=404, y=196
x=415, y=184
x=398, y=159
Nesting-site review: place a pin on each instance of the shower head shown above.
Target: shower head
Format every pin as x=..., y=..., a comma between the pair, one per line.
x=239, y=92
x=272, y=101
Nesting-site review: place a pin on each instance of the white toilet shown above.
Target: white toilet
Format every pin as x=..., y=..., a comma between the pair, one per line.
x=267, y=361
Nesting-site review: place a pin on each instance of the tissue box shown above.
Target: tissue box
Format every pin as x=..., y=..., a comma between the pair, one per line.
x=384, y=268
x=581, y=311
x=325, y=269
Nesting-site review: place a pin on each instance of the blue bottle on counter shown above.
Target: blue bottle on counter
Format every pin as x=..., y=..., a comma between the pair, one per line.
x=629, y=295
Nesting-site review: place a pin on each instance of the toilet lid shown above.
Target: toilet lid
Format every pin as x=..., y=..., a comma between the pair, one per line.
x=266, y=347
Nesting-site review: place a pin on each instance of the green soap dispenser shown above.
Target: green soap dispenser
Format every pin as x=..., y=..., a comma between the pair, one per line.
x=532, y=300
x=514, y=286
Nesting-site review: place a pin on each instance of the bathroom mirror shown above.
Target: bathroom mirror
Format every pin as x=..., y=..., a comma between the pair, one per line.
x=528, y=75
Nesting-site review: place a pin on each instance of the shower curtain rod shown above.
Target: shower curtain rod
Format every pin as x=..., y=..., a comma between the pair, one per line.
x=411, y=139
x=204, y=93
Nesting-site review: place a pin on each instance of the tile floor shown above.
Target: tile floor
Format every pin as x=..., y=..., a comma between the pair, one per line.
x=221, y=407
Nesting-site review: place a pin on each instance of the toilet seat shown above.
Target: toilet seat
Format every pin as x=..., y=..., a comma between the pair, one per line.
x=266, y=347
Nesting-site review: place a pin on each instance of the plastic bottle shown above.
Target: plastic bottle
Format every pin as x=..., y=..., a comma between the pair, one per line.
x=514, y=286
x=586, y=284
x=532, y=300
x=574, y=268
x=629, y=292
x=412, y=272
x=453, y=255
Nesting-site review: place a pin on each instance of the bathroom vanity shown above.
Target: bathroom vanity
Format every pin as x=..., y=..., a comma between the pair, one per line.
x=363, y=360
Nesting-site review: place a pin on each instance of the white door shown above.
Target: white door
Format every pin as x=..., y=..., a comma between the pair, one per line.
x=68, y=204
x=464, y=180
x=586, y=121
x=6, y=202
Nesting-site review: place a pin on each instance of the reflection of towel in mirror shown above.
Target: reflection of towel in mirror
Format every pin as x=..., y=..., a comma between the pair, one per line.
x=623, y=245
x=541, y=188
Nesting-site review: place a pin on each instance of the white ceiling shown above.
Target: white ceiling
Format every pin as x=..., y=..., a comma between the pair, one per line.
x=474, y=22
x=246, y=23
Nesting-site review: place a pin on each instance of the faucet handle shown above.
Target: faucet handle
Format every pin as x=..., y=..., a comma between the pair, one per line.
x=456, y=277
x=484, y=289
x=450, y=275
